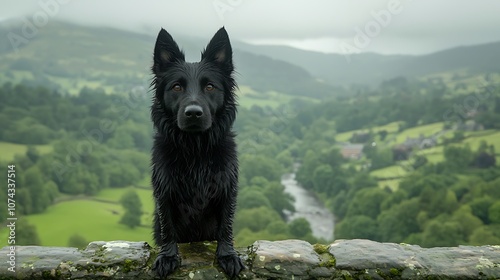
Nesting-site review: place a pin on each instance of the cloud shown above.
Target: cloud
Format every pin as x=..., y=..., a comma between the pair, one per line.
x=421, y=26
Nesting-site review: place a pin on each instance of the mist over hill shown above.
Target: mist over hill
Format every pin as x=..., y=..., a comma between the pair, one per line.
x=371, y=68
x=63, y=53
x=69, y=56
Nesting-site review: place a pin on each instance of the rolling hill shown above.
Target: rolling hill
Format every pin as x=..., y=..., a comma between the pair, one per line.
x=69, y=57
x=371, y=68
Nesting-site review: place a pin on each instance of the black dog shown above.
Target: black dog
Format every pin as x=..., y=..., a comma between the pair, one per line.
x=194, y=161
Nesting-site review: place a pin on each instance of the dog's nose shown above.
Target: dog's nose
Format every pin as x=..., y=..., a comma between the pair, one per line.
x=193, y=111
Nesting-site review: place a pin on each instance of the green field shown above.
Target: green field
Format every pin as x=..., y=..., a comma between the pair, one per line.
x=390, y=128
x=9, y=150
x=493, y=138
x=393, y=184
x=467, y=81
x=435, y=158
x=93, y=219
x=392, y=171
x=435, y=154
x=414, y=132
x=146, y=196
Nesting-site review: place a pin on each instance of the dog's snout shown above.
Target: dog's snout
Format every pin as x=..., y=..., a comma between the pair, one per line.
x=193, y=111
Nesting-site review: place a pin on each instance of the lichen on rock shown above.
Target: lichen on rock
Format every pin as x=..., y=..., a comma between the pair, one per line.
x=286, y=259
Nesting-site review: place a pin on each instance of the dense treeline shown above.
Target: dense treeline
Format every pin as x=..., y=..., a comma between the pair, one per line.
x=413, y=103
x=98, y=141
x=38, y=116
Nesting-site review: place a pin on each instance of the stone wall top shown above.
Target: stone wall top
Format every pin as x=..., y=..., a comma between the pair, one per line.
x=286, y=259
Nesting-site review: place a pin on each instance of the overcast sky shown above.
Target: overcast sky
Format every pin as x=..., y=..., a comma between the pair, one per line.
x=382, y=26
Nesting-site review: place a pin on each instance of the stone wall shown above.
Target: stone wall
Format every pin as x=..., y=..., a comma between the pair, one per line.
x=287, y=259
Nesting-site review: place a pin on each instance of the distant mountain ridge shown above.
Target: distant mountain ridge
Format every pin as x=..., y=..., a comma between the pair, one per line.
x=371, y=68
x=116, y=57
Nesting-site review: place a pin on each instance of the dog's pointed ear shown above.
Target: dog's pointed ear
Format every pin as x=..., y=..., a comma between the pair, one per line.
x=219, y=50
x=166, y=52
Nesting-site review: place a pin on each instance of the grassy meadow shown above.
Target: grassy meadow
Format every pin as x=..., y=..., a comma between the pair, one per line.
x=391, y=176
x=9, y=150
x=94, y=218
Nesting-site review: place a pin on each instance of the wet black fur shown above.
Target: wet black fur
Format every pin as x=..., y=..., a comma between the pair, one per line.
x=194, y=160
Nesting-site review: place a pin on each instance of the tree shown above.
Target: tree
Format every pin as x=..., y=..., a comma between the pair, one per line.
x=26, y=233
x=446, y=234
x=77, y=241
x=419, y=161
x=260, y=165
x=458, y=158
x=299, y=228
x=255, y=219
x=357, y=227
x=250, y=198
x=398, y=222
x=277, y=227
x=23, y=200
x=279, y=199
x=367, y=202
x=484, y=236
x=468, y=222
x=484, y=160
x=309, y=163
x=480, y=208
x=494, y=213
x=339, y=204
x=133, y=209
x=322, y=177
x=32, y=153
x=382, y=158
x=40, y=198
x=383, y=134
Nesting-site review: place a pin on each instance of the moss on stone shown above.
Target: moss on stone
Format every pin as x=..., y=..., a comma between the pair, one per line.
x=395, y=271
x=129, y=265
x=320, y=248
x=47, y=275
x=327, y=259
x=346, y=275
x=153, y=253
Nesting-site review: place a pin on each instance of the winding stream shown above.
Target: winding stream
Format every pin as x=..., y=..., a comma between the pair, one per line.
x=309, y=207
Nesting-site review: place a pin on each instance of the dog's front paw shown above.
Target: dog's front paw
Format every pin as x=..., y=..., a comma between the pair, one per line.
x=231, y=264
x=164, y=265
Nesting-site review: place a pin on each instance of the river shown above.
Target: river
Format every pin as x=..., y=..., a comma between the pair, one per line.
x=309, y=207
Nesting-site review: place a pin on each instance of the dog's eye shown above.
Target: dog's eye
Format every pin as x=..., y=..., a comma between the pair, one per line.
x=177, y=87
x=209, y=87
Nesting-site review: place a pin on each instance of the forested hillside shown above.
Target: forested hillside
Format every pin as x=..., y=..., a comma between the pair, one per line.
x=444, y=194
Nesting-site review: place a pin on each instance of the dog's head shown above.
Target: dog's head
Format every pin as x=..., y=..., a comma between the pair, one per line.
x=193, y=95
